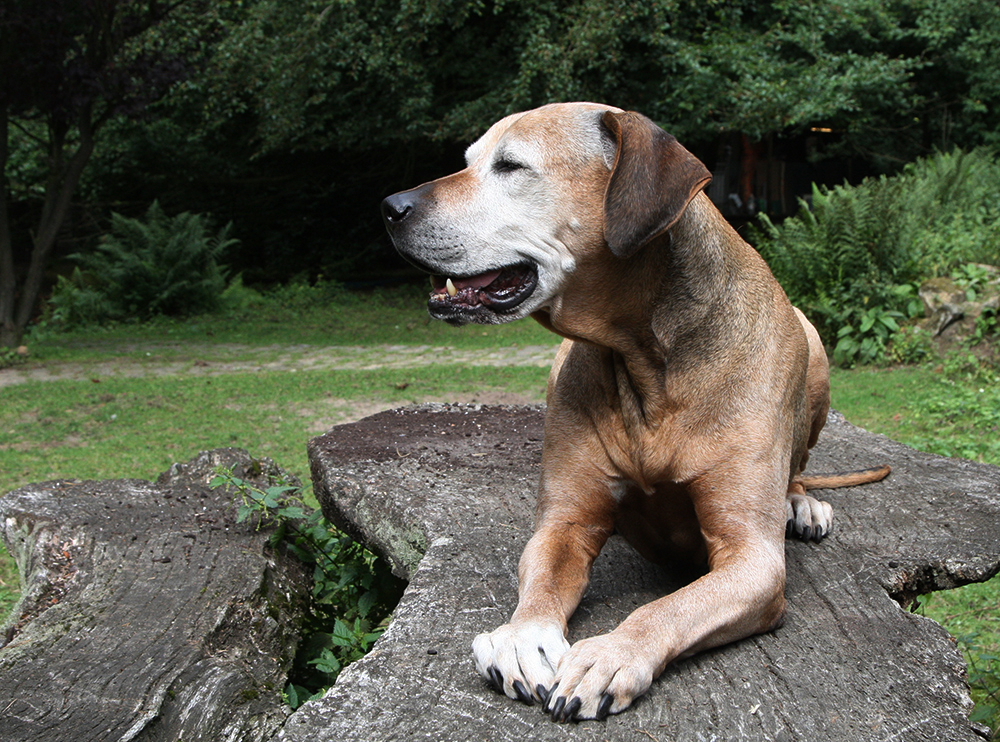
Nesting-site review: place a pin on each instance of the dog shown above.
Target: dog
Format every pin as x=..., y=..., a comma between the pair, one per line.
x=681, y=406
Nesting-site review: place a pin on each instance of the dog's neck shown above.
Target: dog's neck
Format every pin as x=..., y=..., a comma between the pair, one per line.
x=673, y=305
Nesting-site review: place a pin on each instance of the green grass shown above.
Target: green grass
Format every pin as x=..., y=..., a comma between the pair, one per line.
x=124, y=427
x=924, y=407
x=291, y=315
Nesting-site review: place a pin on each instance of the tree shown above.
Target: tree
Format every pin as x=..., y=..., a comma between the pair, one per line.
x=307, y=112
x=68, y=67
x=327, y=75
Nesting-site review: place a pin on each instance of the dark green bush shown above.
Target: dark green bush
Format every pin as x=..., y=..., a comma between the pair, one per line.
x=158, y=265
x=853, y=256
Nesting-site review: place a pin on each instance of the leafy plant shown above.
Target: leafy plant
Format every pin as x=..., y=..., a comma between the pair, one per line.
x=911, y=344
x=987, y=325
x=973, y=278
x=853, y=255
x=867, y=341
x=12, y=356
x=146, y=267
x=353, y=592
x=984, y=677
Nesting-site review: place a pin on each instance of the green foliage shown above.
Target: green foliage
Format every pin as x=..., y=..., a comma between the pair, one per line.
x=316, y=75
x=984, y=677
x=867, y=342
x=308, y=112
x=160, y=265
x=987, y=326
x=353, y=592
x=910, y=345
x=973, y=278
x=852, y=257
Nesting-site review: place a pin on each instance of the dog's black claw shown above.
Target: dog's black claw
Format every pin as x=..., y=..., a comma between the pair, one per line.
x=557, y=709
x=548, y=697
x=543, y=693
x=818, y=535
x=572, y=709
x=807, y=533
x=607, y=701
x=497, y=677
x=522, y=693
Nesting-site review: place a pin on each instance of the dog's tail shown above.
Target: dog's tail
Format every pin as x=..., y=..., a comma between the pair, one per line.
x=844, y=479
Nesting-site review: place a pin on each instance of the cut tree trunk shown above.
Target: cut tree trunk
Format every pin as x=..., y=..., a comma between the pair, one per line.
x=447, y=494
x=147, y=612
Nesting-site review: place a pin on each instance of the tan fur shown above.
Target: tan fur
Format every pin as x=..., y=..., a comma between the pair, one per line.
x=681, y=406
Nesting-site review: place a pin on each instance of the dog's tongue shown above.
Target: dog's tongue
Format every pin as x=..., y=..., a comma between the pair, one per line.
x=475, y=282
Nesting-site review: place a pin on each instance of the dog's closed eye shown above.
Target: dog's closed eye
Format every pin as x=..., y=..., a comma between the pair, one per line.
x=506, y=165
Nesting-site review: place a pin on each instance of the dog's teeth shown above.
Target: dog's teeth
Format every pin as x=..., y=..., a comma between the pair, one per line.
x=451, y=288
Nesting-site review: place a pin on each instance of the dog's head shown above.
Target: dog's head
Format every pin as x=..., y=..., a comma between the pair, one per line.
x=543, y=191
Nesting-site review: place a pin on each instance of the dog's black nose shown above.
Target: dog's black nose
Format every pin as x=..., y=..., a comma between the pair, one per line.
x=396, y=208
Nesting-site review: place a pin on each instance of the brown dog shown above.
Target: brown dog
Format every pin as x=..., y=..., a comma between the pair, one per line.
x=681, y=407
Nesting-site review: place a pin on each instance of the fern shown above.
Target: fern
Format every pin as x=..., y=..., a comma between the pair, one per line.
x=145, y=267
x=852, y=249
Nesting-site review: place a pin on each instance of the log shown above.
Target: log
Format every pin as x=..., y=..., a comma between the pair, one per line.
x=447, y=493
x=147, y=612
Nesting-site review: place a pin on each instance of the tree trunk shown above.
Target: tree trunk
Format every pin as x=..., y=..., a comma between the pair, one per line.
x=447, y=493
x=148, y=614
x=9, y=336
x=58, y=198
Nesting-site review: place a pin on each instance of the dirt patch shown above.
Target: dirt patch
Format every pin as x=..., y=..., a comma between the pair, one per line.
x=208, y=360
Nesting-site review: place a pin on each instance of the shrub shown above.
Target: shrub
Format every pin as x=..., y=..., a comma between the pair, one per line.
x=857, y=252
x=158, y=265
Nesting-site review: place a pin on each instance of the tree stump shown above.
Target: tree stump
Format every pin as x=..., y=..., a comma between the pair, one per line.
x=147, y=612
x=447, y=494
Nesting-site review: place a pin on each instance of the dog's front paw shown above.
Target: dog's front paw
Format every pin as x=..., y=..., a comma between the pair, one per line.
x=520, y=660
x=599, y=676
x=808, y=519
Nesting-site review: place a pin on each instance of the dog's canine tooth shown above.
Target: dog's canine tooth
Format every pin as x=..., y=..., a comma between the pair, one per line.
x=450, y=287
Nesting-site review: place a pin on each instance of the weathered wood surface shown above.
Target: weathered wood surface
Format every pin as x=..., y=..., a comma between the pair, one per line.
x=456, y=486
x=148, y=613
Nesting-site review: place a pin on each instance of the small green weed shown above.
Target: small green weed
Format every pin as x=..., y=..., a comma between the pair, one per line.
x=975, y=624
x=987, y=326
x=12, y=357
x=866, y=340
x=984, y=677
x=972, y=278
x=353, y=592
x=10, y=583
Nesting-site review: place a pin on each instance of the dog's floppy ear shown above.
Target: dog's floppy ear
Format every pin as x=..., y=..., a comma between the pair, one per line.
x=653, y=180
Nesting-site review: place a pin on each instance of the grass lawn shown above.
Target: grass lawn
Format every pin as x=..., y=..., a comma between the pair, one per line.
x=115, y=427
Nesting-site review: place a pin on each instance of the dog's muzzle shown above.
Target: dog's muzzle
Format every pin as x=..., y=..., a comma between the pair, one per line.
x=481, y=297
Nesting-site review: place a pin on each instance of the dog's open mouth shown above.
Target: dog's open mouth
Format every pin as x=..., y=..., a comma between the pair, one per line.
x=497, y=291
